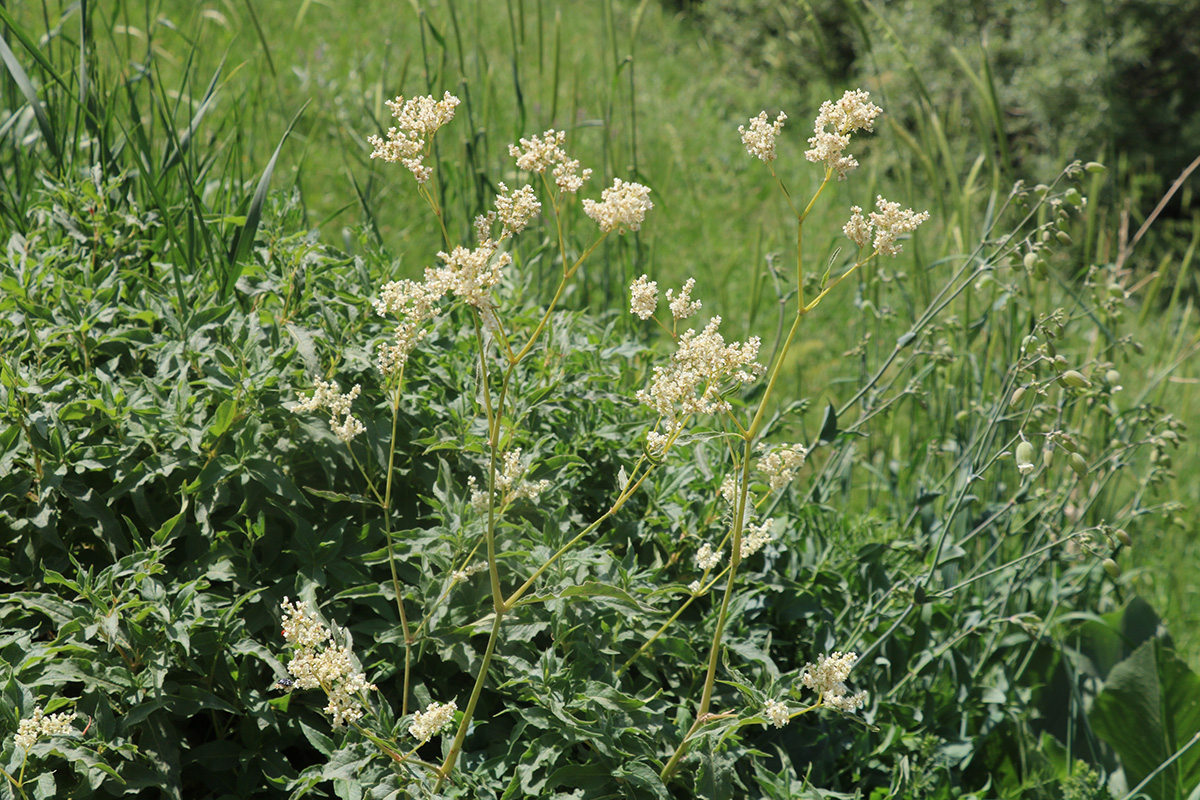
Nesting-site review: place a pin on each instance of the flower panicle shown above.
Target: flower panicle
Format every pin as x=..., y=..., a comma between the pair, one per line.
x=328, y=396
x=887, y=225
x=828, y=679
x=38, y=724
x=408, y=142
x=835, y=123
x=318, y=662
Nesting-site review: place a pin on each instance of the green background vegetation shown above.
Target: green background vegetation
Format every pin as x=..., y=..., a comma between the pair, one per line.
x=158, y=315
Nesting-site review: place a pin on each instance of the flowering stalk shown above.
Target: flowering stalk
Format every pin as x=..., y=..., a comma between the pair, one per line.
x=832, y=130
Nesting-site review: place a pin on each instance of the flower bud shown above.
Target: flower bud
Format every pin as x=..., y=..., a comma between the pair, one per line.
x=1017, y=396
x=1047, y=457
x=1112, y=569
x=1112, y=377
x=1024, y=458
x=1079, y=464
x=1029, y=260
x=1074, y=379
x=1124, y=537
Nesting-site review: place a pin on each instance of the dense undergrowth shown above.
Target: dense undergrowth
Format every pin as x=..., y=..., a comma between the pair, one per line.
x=983, y=451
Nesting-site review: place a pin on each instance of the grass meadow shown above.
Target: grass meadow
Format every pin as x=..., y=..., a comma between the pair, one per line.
x=689, y=470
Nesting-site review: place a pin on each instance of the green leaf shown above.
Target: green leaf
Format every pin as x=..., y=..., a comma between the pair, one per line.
x=1149, y=710
x=271, y=476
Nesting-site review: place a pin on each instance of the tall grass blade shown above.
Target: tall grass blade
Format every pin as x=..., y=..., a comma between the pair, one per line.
x=30, y=92
x=242, y=240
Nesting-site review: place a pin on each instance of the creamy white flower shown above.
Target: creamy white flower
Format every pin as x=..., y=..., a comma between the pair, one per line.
x=698, y=371
x=318, y=662
x=328, y=396
x=515, y=210
x=755, y=536
x=433, y=719
x=37, y=725
x=706, y=559
x=777, y=712
x=827, y=678
x=780, y=465
x=537, y=154
x=760, y=138
x=643, y=297
x=623, y=208
x=417, y=120
x=851, y=113
x=683, y=306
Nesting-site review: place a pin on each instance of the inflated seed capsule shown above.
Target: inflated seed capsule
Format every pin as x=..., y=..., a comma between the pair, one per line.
x=1111, y=567
x=1024, y=458
x=1074, y=379
x=1124, y=537
x=1029, y=260
x=1079, y=464
x=1060, y=362
x=1047, y=457
x=1095, y=167
x=1115, y=290
x=1017, y=396
x=1112, y=377
x=1063, y=237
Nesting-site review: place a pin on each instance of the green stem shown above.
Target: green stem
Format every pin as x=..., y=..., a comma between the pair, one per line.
x=469, y=713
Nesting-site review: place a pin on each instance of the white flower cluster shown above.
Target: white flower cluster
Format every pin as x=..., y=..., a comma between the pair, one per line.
x=760, y=139
x=706, y=559
x=328, y=396
x=536, y=154
x=780, y=465
x=683, y=306
x=417, y=120
x=698, y=371
x=516, y=209
x=320, y=663
x=729, y=488
x=468, y=274
x=509, y=484
x=887, y=224
x=428, y=722
x=852, y=113
x=643, y=297
x=828, y=679
x=778, y=713
x=463, y=575
x=29, y=730
x=623, y=207
x=755, y=536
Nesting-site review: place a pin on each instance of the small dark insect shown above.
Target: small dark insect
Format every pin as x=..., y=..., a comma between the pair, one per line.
x=285, y=683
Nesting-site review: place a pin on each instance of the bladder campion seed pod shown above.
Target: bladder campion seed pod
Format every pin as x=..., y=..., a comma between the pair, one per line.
x=1124, y=537
x=1017, y=396
x=1074, y=379
x=1024, y=458
x=1047, y=456
x=1112, y=568
x=1079, y=464
x=1060, y=362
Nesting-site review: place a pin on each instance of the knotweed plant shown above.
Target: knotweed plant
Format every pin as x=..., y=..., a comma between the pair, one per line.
x=695, y=386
